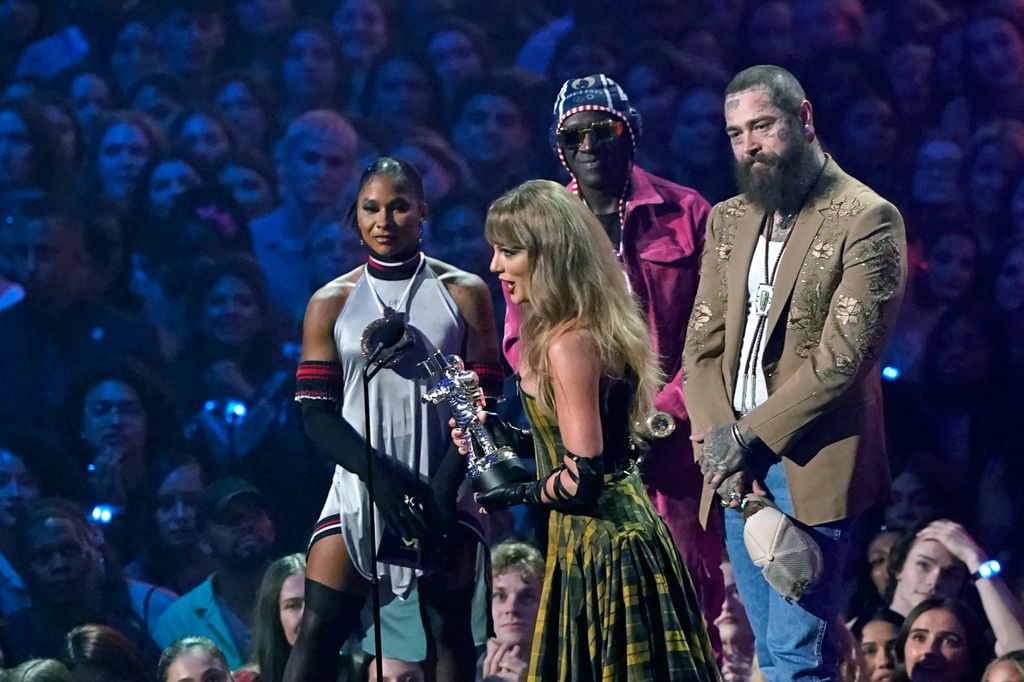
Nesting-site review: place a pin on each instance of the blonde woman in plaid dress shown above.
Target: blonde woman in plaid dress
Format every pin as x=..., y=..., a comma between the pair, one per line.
x=617, y=602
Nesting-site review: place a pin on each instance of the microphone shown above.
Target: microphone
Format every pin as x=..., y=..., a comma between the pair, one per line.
x=388, y=337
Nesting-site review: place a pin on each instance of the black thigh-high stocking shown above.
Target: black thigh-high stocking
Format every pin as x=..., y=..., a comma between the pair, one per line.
x=448, y=621
x=329, y=618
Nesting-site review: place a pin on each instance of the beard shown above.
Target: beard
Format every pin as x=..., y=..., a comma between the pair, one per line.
x=784, y=181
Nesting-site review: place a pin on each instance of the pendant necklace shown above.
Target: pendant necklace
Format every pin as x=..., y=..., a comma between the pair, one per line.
x=386, y=311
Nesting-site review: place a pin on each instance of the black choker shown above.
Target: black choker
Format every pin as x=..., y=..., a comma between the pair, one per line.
x=389, y=270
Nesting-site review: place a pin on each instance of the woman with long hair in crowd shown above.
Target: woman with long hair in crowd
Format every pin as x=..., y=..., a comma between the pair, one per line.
x=415, y=473
x=279, y=607
x=617, y=601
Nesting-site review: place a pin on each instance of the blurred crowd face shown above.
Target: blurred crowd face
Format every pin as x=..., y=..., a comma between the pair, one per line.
x=928, y=571
x=911, y=70
x=402, y=94
x=241, y=537
x=169, y=180
x=362, y=29
x=319, y=168
x=830, y=23
x=437, y=181
x=878, y=559
x=773, y=24
x=61, y=564
x=291, y=603
x=454, y=56
x=598, y=160
x=310, y=68
x=16, y=152
x=870, y=132
x=697, y=129
x=1009, y=286
x=912, y=502
x=653, y=97
x=90, y=97
x=334, y=249
x=1004, y=671
x=514, y=605
x=952, y=267
x=243, y=110
x=231, y=315
x=190, y=41
x=123, y=151
x=249, y=189
x=264, y=18
x=965, y=353
x=390, y=217
x=177, y=500
x=67, y=132
x=205, y=138
x=936, y=180
x=47, y=257
x=988, y=179
x=114, y=418
x=135, y=55
x=18, y=488
x=877, y=645
x=995, y=51
x=490, y=130
x=158, y=105
x=936, y=649
x=196, y=665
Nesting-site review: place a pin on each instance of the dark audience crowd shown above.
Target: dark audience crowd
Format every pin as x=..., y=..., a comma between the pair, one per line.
x=174, y=182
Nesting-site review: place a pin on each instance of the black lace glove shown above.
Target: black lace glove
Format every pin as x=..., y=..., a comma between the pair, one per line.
x=589, y=482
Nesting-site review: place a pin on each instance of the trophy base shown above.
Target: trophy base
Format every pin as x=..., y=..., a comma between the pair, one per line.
x=502, y=472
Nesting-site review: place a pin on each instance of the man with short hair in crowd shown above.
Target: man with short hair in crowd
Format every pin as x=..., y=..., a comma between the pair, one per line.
x=239, y=535
x=56, y=331
x=317, y=162
x=801, y=278
x=656, y=228
x=191, y=36
x=517, y=577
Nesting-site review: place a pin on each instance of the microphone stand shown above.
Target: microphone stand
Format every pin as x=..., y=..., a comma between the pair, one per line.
x=374, y=364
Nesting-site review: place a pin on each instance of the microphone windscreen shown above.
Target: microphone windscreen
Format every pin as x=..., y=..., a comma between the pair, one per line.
x=389, y=333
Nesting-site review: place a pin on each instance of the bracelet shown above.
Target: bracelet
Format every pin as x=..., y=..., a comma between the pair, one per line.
x=988, y=569
x=736, y=436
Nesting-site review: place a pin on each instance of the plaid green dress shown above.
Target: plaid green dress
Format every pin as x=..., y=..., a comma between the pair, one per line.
x=617, y=602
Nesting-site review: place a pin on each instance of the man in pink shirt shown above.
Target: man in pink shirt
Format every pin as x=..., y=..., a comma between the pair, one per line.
x=657, y=230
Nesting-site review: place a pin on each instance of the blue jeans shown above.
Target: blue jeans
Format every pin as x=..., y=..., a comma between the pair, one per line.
x=793, y=640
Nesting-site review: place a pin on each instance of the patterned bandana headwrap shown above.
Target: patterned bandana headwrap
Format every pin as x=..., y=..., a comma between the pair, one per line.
x=595, y=93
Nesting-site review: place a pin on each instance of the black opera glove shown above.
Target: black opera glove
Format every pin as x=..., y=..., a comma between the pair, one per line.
x=505, y=434
x=589, y=482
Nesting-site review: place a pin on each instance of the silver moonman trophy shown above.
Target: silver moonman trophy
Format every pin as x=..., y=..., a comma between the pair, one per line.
x=490, y=466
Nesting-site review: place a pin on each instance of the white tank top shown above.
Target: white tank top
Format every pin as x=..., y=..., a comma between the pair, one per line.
x=401, y=426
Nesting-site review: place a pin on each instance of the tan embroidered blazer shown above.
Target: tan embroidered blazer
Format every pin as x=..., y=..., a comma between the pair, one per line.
x=837, y=292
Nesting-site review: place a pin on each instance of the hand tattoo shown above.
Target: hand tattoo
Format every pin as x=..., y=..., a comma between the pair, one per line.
x=721, y=455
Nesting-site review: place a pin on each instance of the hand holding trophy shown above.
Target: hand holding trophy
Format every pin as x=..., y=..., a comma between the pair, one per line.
x=490, y=465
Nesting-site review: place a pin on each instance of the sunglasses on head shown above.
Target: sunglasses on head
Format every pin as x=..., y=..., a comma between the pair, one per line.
x=601, y=132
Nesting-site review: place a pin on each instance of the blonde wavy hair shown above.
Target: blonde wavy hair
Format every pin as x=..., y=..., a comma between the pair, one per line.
x=575, y=283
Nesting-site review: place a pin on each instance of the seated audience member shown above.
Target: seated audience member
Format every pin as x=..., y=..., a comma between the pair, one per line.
x=1007, y=668
x=876, y=635
x=318, y=162
x=29, y=470
x=56, y=333
x=248, y=104
x=936, y=561
x=922, y=491
x=252, y=180
x=939, y=641
x=491, y=132
x=191, y=37
x=39, y=670
x=120, y=416
x=517, y=571
x=193, y=659
x=161, y=96
x=68, y=585
x=276, y=620
x=310, y=71
x=206, y=134
x=238, y=535
x=125, y=142
x=97, y=653
x=734, y=629
x=172, y=556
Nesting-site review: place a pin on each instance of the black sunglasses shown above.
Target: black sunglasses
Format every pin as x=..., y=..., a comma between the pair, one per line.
x=601, y=133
